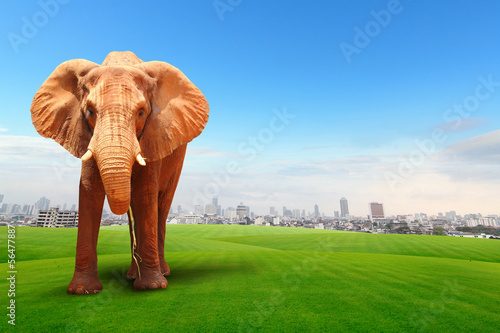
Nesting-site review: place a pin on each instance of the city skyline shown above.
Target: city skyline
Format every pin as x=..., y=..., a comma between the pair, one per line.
x=316, y=102
x=375, y=210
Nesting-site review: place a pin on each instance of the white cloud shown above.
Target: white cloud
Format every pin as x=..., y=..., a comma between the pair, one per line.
x=463, y=124
x=483, y=148
x=463, y=177
x=32, y=167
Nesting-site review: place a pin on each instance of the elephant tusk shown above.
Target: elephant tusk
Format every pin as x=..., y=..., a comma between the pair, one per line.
x=140, y=160
x=87, y=155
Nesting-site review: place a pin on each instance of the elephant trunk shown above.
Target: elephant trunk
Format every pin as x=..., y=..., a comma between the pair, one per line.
x=115, y=151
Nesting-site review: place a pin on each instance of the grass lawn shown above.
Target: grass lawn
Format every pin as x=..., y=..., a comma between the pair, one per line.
x=252, y=278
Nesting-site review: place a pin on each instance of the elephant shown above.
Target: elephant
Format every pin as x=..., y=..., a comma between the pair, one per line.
x=130, y=122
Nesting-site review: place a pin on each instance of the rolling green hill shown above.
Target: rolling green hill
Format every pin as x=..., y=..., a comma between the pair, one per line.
x=251, y=278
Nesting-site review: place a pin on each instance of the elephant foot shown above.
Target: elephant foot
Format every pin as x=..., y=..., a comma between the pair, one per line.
x=84, y=283
x=132, y=271
x=165, y=269
x=150, y=280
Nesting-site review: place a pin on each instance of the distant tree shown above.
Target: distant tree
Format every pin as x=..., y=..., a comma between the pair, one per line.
x=480, y=229
x=439, y=231
x=403, y=230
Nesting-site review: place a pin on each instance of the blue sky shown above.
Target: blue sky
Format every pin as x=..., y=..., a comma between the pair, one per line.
x=356, y=119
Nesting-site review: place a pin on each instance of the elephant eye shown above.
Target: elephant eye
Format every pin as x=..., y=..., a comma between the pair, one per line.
x=141, y=112
x=90, y=112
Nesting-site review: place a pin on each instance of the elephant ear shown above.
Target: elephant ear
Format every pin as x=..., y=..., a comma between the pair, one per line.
x=56, y=107
x=179, y=111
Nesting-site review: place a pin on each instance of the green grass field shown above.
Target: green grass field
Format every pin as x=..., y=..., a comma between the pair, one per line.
x=252, y=278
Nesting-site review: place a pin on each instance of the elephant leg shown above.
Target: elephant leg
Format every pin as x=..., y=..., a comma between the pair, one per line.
x=163, y=209
x=145, y=212
x=162, y=218
x=85, y=279
x=165, y=198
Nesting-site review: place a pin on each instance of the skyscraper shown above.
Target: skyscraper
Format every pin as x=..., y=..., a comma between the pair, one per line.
x=287, y=212
x=211, y=209
x=344, y=207
x=1, y=198
x=242, y=211
x=42, y=204
x=218, y=209
x=376, y=210
x=316, y=210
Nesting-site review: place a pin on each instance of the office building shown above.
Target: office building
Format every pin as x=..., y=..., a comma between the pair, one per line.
x=344, y=207
x=376, y=210
x=242, y=211
x=54, y=218
x=211, y=209
x=42, y=204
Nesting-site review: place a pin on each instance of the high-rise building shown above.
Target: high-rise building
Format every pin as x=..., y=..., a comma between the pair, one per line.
x=16, y=209
x=316, y=211
x=210, y=209
x=42, y=204
x=1, y=198
x=376, y=210
x=452, y=216
x=30, y=210
x=344, y=207
x=218, y=208
x=242, y=211
x=273, y=211
x=230, y=213
x=287, y=212
x=336, y=214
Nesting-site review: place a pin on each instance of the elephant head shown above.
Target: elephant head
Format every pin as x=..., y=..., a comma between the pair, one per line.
x=123, y=111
